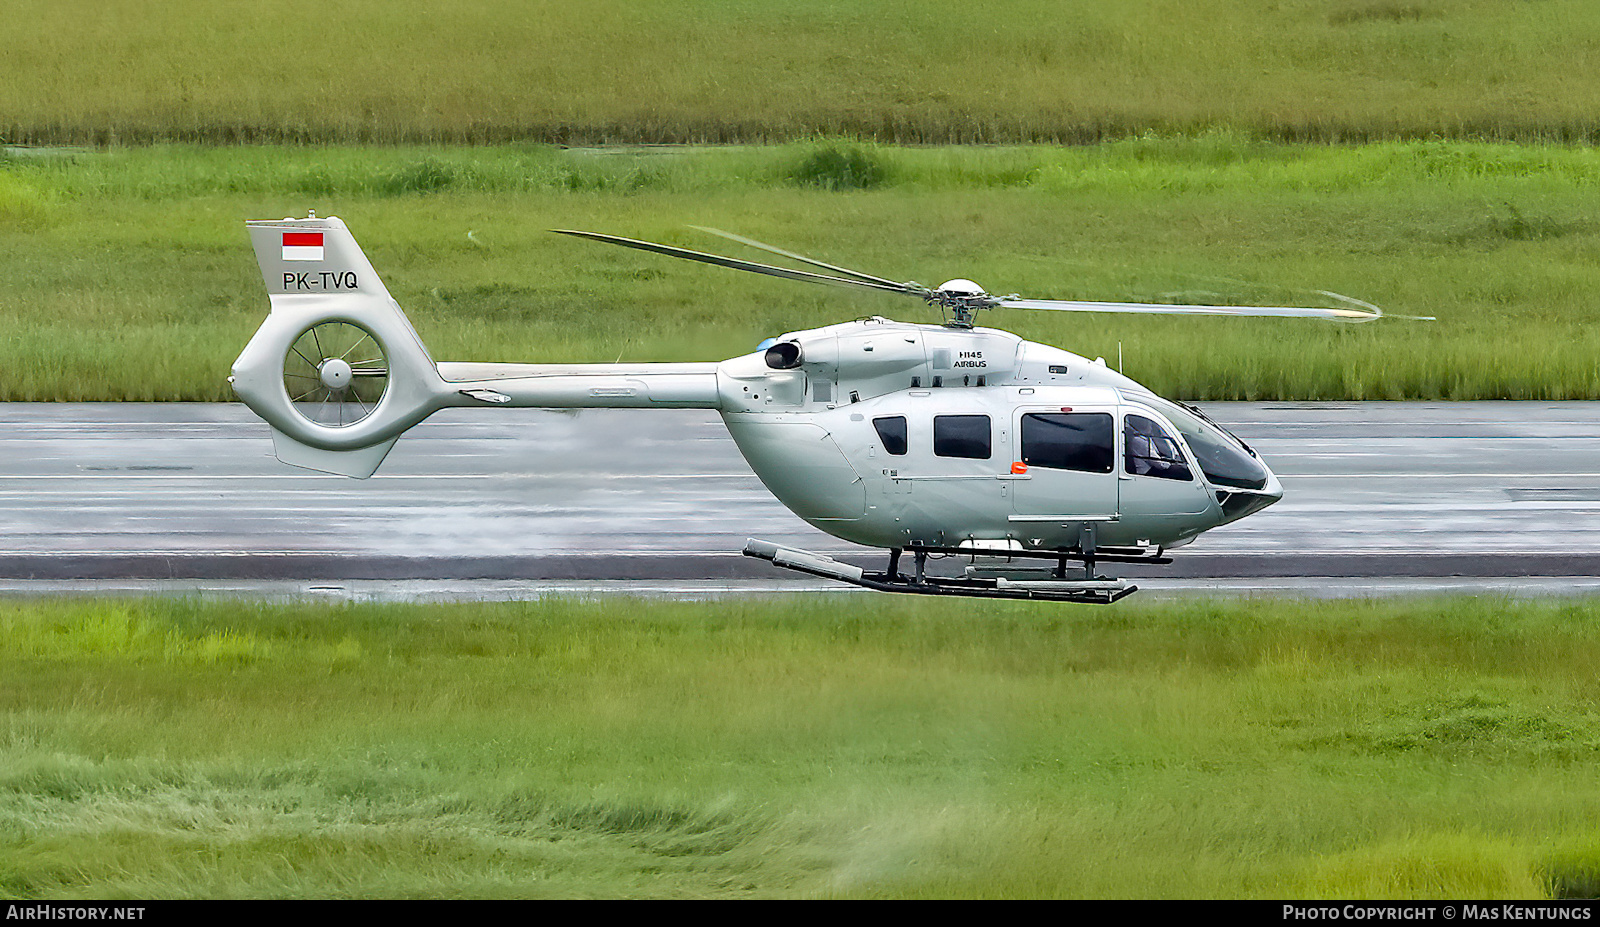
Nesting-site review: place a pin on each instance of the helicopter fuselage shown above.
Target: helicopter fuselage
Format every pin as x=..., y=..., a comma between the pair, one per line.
x=892, y=434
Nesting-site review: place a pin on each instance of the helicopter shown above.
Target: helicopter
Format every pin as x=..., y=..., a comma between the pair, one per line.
x=1033, y=466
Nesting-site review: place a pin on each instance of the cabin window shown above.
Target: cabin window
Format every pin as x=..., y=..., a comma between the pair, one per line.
x=1149, y=451
x=892, y=432
x=961, y=436
x=1080, y=441
x=1223, y=458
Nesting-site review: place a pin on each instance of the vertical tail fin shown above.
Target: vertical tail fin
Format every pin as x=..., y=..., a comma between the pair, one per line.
x=336, y=369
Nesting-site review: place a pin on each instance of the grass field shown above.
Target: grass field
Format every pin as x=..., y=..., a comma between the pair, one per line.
x=852, y=745
x=125, y=274
x=761, y=70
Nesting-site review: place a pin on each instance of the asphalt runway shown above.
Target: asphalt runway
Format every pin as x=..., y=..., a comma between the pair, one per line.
x=1379, y=497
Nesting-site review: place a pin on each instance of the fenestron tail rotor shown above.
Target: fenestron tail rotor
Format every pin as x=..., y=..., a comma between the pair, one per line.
x=961, y=299
x=335, y=373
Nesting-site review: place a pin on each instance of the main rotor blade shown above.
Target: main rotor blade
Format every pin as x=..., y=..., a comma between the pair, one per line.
x=798, y=257
x=1366, y=313
x=736, y=264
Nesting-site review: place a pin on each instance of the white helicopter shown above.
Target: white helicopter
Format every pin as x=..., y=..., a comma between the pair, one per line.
x=935, y=440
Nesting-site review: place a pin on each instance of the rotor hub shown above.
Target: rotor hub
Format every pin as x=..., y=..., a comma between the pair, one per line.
x=960, y=287
x=335, y=374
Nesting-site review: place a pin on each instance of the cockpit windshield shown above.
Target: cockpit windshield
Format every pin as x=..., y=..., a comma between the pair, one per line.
x=1223, y=458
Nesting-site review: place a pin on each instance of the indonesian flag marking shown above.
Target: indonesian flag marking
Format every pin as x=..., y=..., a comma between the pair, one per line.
x=302, y=246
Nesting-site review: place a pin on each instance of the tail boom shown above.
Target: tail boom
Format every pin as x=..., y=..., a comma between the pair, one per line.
x=584, y=386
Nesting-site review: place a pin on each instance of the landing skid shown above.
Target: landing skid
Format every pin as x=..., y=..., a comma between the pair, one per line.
x=1046, y=588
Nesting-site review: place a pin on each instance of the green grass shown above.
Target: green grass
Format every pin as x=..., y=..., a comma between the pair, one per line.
x=717, y=71
x=125, y=274
x=846, y=746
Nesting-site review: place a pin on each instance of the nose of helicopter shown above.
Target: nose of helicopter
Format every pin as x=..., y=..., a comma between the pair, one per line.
x=1239, y=504
x=1273, y=490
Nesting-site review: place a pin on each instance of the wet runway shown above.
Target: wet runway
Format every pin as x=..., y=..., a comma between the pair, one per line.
x=1379, y=497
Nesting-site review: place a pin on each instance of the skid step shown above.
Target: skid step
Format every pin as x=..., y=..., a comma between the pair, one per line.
x=1098, y=591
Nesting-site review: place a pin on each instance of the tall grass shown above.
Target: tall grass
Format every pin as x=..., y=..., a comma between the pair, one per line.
x=125, y=274
x=609, y=71
x=874, y=747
